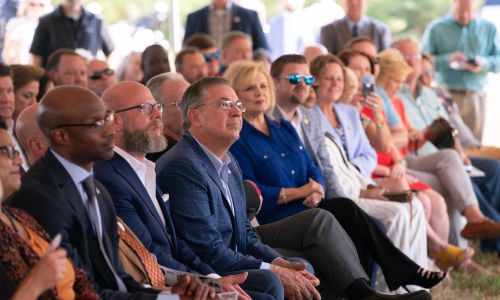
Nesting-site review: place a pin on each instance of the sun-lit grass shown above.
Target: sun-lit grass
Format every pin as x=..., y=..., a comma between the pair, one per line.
x=469, y=286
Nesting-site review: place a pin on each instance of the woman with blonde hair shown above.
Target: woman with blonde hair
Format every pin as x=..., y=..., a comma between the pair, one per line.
x=271, y=154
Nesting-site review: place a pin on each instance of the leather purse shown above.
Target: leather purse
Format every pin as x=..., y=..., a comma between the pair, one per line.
x=441, y=134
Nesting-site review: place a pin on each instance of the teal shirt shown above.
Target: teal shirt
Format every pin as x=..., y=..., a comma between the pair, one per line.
x=444, y=36
x=421, y=112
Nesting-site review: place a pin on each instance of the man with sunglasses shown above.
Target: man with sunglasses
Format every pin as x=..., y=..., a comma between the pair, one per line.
x=210, y=52
x=100, y=76
x=191, y=64
x=60, y=191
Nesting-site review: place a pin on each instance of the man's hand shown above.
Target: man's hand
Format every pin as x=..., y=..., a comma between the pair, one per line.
x=374, y=193
x=231, y=284
x=457, y=57
x=193, y=287
x=298, y=284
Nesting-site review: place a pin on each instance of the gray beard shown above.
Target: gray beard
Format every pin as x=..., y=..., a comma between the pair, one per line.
x=140, y=141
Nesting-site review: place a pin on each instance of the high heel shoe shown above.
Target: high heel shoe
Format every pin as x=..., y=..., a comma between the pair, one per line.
x=451, y=256
x=425, y=278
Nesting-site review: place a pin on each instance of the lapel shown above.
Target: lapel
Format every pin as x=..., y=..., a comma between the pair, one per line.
x=235, y=18
x=67, y=186
x=165, y=208
x=346, y=33
x=123, y=169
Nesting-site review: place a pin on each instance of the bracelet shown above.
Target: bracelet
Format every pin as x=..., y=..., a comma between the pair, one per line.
x=282, y=196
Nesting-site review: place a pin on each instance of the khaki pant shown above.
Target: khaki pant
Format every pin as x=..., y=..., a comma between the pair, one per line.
x=472, y=105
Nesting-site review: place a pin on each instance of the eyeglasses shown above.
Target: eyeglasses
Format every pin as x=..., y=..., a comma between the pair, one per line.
x=297, y=78
x=209, y=56
x=226, y=105
x=97, y=125
x=413, y=57
x=99, y=74
x=10, y=151
x=145, y=108
x=176, y=104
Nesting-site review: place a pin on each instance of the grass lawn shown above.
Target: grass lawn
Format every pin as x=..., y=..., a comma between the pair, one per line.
x=471, y=286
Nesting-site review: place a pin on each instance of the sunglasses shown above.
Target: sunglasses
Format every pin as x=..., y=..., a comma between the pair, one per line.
x=209, y=57
x=10, y=151
x=99, y=74
x=297, y=78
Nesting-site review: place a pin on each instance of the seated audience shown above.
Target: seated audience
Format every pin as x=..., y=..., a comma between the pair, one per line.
x=472, y=146
x=211, y=53
x=313, y=51
x=423, y=107
x=100, y=76
x=262, y=56
x=31, y=138
x=272, y=147
x=30, y=265
x=154, y=61
x=77, y=126
x=191, y=63
x=66, y=67
x=26, y=80
x=7, y=108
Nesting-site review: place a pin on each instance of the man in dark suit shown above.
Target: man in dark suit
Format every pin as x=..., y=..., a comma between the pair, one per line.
x=215, y=19
x=335, y=36
x=131, y=180
x=58, y=193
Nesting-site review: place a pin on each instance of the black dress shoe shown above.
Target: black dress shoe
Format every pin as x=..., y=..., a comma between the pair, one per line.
x=419, y=295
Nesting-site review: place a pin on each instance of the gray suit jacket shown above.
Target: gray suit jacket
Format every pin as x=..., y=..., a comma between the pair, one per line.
x=334, y=36
x=314, y=140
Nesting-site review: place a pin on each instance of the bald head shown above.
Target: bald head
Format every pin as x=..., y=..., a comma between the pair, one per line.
x=463, y=11
x=125, y=94
x=31, y=138
x=65, y=105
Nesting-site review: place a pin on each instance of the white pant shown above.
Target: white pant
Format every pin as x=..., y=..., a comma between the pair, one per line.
x=409, y=234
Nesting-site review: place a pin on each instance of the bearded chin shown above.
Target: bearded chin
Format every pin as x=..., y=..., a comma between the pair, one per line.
x=141, y=141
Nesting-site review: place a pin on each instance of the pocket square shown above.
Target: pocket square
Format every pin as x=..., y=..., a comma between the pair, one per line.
x=165, y=197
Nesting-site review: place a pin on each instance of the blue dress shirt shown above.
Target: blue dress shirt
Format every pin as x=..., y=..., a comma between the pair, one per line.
x=275, y=161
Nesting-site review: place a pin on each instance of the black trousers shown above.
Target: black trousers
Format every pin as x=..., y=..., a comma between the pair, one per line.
x=371, y=241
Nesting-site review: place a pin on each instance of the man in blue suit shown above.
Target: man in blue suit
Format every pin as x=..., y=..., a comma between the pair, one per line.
x=131, y=181
x=207, y=193
x=223, y=16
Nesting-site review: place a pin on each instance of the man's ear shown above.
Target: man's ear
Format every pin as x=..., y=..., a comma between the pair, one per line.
x=194, y=118
x=59, y=136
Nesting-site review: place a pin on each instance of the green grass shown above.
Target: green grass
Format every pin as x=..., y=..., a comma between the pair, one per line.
x=470, y=286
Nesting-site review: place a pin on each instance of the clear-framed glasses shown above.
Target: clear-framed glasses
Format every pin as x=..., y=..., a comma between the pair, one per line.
x=145, y=108
x=10, y=151
x=297, y=78
x=226, y=105
x=176, y=104
x=97, y=125
x=99, y=74
x=210, y=56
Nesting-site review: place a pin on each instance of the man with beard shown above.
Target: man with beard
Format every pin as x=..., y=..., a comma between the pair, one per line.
x=130, y=178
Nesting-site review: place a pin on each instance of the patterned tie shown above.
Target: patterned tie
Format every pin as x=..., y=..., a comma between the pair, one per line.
x=89, y=187
x=355, y=30
x=155, y=274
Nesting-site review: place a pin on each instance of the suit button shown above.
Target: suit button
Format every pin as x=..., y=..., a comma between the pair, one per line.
x=265, y=157
x=300, y=147
x=293, y=172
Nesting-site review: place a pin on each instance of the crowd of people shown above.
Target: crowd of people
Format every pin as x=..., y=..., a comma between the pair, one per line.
x=344, y=171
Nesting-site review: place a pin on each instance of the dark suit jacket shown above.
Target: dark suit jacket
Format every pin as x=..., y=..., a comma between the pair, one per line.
x=334, y=36
x=244, y=20
x=201, y=213
x=134, y=206
x=49, y=195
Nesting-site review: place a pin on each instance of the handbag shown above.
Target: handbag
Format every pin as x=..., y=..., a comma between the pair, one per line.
x=441, y=134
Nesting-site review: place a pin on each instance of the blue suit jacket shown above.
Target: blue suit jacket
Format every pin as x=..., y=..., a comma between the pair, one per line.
x=132, y=203
x=201, y=213
x=244, y=20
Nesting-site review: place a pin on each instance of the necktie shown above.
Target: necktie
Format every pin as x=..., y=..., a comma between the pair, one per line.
x=355, y=30
x=155, y=274
x=89, y=187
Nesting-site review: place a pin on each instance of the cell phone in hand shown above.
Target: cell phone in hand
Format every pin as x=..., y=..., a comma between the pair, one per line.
x=368, y=85
x=54, y=244
x=472, y=61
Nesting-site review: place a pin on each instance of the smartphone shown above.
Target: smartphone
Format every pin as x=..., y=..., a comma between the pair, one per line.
x=368, y=85
x=472, y=61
